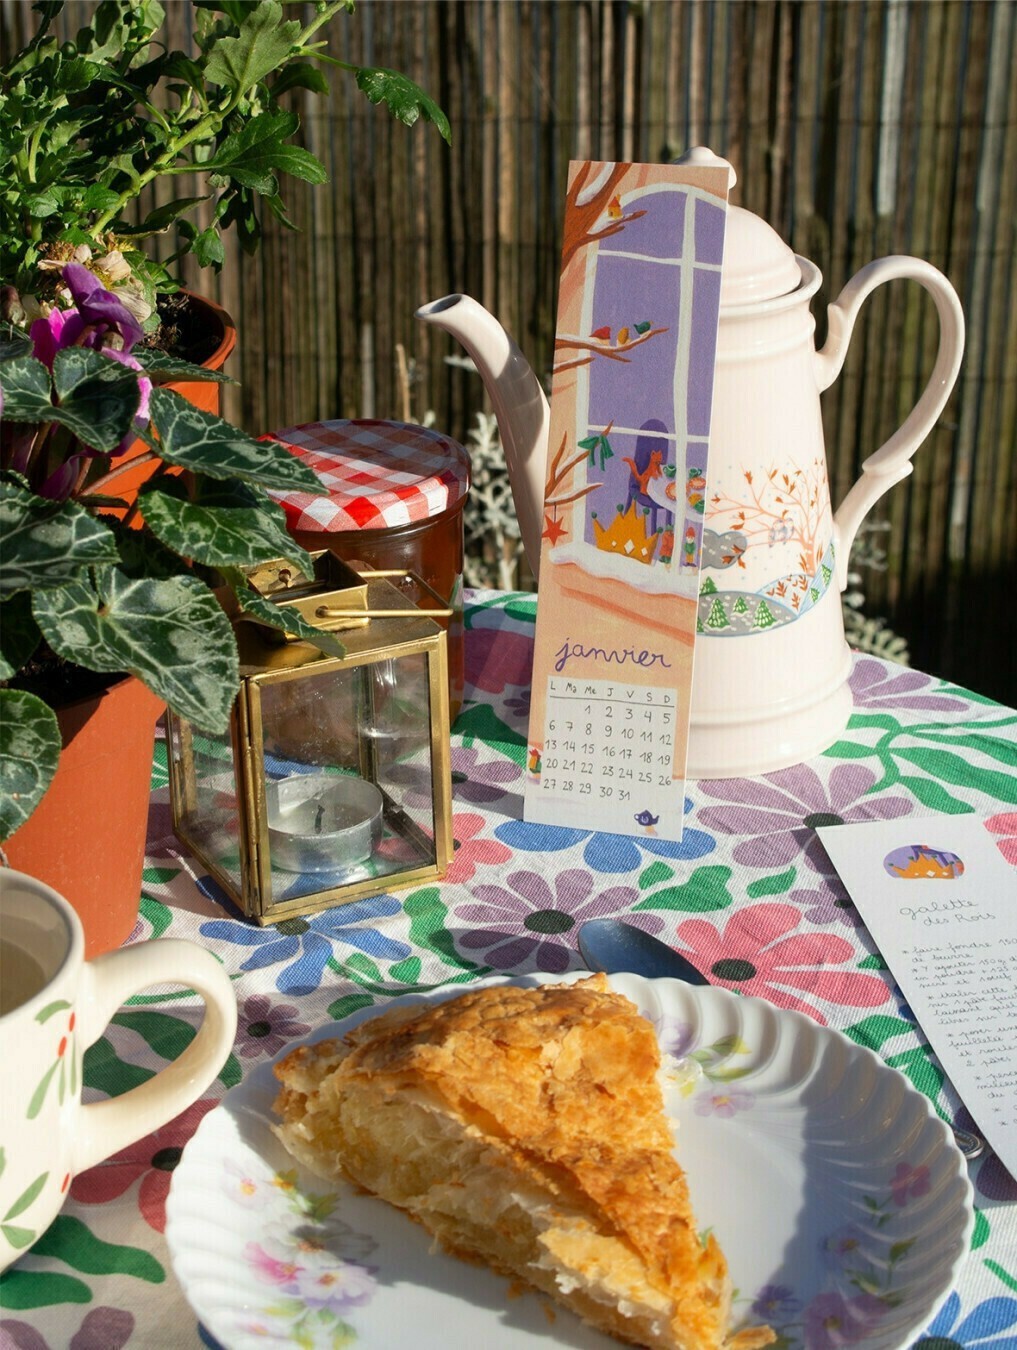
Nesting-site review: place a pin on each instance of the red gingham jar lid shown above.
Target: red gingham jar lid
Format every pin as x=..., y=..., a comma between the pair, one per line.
x=378, y=475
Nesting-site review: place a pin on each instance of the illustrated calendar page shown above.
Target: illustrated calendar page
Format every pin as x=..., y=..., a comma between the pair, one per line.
x=624, y=496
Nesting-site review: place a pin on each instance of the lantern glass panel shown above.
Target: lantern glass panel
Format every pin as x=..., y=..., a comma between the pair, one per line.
x=209, y=814
x=347, y=768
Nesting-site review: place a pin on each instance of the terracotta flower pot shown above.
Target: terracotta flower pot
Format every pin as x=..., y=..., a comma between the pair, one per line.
x=86, y=838
x=204, y=394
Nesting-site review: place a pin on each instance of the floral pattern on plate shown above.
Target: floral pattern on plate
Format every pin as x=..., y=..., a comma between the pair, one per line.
x=867, y=1222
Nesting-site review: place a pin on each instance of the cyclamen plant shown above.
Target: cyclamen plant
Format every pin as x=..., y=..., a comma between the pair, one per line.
x=87, y=125
x=135, y=595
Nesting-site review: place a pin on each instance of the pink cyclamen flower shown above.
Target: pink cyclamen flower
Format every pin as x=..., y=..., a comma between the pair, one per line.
x=760, y=952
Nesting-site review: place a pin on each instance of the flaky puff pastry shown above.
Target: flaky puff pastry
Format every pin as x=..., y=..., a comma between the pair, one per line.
x=524, y=1127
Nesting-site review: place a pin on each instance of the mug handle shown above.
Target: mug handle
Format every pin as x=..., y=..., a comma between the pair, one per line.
x=104, y=1128
x=892, y=461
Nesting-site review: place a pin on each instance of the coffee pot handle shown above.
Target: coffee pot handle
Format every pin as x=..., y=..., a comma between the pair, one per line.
x=892, y=461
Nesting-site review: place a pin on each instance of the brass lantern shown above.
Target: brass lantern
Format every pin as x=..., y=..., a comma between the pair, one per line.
x=334, y=780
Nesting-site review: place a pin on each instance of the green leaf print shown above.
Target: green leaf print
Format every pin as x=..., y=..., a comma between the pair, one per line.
x=848, y=750
x=481, y=723
x=24, y=1289
x=408, y=971
x=1000, y=1273
x=17, y=1237
x=980, y=1236
x=170, y=1036
x=364, y=966
x=775, y=885
x=74, y=1243
x=873, y=1031
x=951, y=768
x=105, y=1071
x=705, y=890
x=656, y=872
x=349, y=1003
x=427, y=916
x=934, y=795
x=154, y=911
x=39, y=1095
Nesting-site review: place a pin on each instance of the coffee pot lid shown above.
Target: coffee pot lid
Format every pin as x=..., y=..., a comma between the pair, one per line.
x=758, y=265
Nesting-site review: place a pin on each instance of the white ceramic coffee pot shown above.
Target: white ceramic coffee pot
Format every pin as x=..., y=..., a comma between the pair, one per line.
x=771, y=662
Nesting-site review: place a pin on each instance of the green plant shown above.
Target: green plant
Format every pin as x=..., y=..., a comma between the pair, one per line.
x=86, y=125
x=83, y=591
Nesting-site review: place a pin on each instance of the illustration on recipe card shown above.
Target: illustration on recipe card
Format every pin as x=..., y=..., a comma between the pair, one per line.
x=624, y=496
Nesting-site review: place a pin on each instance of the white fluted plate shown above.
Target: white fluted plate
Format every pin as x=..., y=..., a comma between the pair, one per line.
x=837, y=1194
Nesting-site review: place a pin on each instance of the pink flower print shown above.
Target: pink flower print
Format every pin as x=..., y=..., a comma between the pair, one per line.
x=759, y=952
x=471, y=850
x=496, y=657
x=908, y=1181
x=1005, y=824
x=152, y=1159
x=832, y=1321
x=876, y=685
x=781, y=810
x=724, y=1104
x=280, y=1271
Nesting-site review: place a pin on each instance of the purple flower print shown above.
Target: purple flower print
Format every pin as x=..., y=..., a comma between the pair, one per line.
x=781, y=810
x=724, y=1104
x=524, y=925
x=876, y=685
x=827, y=902
x=843, y=1248
x=481, y=782
x=264, y=1028
x=775, y=1303
x=519, y=704
x=832, y=1320
x=102, y=1329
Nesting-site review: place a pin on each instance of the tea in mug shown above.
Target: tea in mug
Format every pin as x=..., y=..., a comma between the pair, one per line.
x=21, y=976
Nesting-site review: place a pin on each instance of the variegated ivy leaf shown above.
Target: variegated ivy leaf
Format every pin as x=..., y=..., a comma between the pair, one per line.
x=47, y=544
x=228, y=523
x=194, y=439
x=162, y=366
x=285, y=620
x=29, y=752
x=171, y=632
x=19, y=633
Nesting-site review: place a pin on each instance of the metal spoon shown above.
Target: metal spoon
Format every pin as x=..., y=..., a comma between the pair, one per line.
x=613, y=946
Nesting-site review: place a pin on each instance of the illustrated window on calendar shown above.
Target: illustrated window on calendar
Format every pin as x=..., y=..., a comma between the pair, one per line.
x=625, y=496
x=608, y=755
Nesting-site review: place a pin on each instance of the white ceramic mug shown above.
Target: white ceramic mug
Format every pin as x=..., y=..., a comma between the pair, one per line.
x=53, y=1005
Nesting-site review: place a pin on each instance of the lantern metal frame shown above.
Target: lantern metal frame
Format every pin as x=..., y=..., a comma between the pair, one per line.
x=376, y=625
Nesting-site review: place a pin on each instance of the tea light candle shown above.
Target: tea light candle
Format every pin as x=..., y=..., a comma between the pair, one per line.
x=319, y=823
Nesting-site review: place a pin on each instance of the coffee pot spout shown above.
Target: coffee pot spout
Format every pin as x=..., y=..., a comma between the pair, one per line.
x=517, y=398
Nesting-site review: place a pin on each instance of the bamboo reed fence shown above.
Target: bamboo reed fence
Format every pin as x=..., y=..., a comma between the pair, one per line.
x=858, y=128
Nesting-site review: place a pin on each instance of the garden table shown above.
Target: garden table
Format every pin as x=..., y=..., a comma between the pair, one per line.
x=749, y=880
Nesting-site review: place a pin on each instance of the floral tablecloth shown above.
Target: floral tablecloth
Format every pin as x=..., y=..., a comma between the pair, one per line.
x=748, y=893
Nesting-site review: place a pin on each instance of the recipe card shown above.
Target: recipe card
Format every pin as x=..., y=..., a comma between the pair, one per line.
x=624, y=496
x=940, y=901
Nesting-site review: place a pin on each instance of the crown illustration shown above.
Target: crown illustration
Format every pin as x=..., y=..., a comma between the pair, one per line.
x=627, y=535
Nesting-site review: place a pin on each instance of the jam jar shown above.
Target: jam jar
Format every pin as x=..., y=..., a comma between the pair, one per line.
x=394, y=499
